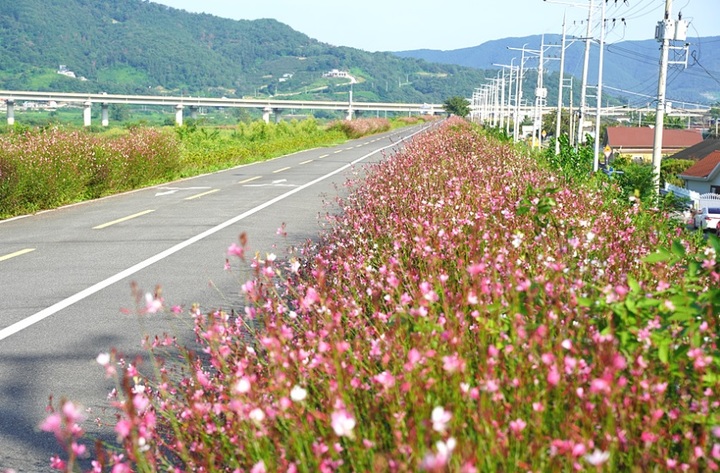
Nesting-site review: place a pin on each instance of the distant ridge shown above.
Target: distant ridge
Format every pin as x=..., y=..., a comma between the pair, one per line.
x=628, y=65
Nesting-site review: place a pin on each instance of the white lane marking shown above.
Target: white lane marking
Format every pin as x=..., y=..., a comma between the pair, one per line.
x=172, y=190
x=124, y=219
x=250, y=179
x=202, y=194
x=17, y=253
x=282, y=169
x=75, y=298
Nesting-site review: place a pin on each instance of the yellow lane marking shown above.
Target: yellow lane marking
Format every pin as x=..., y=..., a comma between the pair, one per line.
x=196, y=196
x=323, y=156
x=308, y=161
x=282, y=169
x=250, y=180
x=124, y=219
x=17, y=253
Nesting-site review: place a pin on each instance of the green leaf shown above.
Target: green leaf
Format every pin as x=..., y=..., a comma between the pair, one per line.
x=633, y=284
x=678, y=249
x=664, y=351
x=659, y=256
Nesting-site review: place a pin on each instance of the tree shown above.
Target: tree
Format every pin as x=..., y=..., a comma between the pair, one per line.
x=457, y=105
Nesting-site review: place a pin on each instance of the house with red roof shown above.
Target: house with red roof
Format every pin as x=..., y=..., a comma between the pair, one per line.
x=637, y=142
x=704, y=176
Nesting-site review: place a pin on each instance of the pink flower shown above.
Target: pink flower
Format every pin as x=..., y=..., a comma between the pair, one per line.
x=235, y=250
x=52, y=424
x=553, y=377
x=153, y=304
x=435, y=462
x=311, y=297
x=259, y=467
x=599, y=385
x=517, y=425
x=386, y=379
x=453, y=363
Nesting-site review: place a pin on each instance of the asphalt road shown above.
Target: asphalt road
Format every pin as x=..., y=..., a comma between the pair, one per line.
x=66, y=274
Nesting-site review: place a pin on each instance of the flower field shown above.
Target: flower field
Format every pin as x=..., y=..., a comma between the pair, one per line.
x=468, y=310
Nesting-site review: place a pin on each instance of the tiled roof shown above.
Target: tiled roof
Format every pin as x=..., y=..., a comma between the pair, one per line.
x=643, y=137
x=704, y=167
x=698, y=151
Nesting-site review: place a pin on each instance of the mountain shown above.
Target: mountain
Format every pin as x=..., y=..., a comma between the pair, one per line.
x=630, y=68
x=140, y=47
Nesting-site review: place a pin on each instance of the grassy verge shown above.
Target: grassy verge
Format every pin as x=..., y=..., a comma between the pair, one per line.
x=48, y=168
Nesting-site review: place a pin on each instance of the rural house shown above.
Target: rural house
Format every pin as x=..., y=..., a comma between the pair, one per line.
x=704, y=176
x=637, y=142
x=698, y=151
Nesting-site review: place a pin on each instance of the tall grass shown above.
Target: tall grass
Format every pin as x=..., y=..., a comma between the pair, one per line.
x=468, y=311
x=51, y=167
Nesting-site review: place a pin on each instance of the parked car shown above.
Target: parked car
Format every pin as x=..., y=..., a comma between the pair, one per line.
x=707, y=218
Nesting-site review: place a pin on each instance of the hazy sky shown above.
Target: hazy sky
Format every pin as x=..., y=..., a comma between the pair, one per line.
x=395, y=25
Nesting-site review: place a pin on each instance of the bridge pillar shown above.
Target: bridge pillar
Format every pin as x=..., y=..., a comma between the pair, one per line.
x=277, y=112
x=87, y=113
x=349, y=114
x=10, y=112
x=194, y=112
x=179, y=114
x=104, y=116
x=266, y=114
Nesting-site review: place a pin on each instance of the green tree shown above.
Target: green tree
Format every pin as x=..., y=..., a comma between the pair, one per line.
x=457, y=105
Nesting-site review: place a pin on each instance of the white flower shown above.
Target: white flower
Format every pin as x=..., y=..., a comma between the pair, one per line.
x=103, y=359
x=342, y=423
x=445, y=448
x=298, y=394
x=597, y=457
x=257, y=415
x=440, y=417
x=243, y=385
x=517, y=239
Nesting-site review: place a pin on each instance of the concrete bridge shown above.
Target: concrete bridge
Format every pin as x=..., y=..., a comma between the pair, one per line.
x=268, y=106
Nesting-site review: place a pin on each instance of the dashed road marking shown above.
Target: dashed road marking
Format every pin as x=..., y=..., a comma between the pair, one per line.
x=202, y=194
x=250, y=179
x=17, y=253
x=124, y=219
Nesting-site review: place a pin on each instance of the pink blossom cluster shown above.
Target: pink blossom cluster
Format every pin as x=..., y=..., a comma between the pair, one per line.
x=462, y=313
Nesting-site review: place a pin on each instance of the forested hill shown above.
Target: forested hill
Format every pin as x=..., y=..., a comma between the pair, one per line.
x=140, y=47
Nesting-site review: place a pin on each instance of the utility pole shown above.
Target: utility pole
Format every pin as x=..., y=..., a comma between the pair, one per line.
x=586, y=63
x=540, y=94
x=518, y=94
x=596, y=154
x=664, y=34
x=560, y=91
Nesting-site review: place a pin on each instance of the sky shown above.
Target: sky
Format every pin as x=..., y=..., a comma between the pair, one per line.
x=398, y=25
